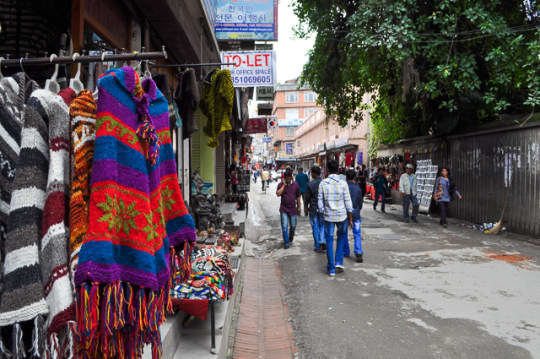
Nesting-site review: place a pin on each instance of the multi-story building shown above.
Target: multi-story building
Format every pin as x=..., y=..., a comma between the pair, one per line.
x=320, y=138
x=292, y=105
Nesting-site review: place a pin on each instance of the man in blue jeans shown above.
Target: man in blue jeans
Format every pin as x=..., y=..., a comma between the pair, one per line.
x=315, y=218
x=289, y=192
x=335, y=204
x=357, y=199
x=302, y=179
x=408, y=190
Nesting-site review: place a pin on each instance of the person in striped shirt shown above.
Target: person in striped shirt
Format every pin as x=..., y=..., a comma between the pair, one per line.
x=336, y=206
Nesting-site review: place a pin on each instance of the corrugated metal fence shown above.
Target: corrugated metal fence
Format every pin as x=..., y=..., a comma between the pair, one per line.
x=493, y=170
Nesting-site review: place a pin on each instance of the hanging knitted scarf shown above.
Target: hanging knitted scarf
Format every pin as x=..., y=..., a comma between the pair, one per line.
x=217, y=104
x=136, y=215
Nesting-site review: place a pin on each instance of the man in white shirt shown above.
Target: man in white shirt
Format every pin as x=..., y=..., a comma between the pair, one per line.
x=408, y=190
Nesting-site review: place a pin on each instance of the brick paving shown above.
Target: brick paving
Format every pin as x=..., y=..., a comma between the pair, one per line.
x=264, y=331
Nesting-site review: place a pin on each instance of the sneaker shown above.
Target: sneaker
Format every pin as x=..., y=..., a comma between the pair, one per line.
x=323, y=247
x=445, y=225
x=383, y=211
x=359, y=258
x=332, y=274
x=415, y=220
x=340, y=269
x=374, y=208
x=287, y=246
x=407, y=221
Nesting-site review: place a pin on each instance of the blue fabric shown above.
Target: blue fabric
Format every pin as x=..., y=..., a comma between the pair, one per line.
x=317, y=225
x=302, y=179
x=336, y=259
x=407, y=199
x=446, y=190
x=288, y=222
x=411, y=181
x=357, y=235
x=357, y=199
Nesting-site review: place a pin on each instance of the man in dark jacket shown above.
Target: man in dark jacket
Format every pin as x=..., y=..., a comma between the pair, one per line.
x=357, y=200
x=380, y=183
x=315, y=218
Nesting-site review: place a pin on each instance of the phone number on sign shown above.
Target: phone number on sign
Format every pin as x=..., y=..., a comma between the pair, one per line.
x=252, y=80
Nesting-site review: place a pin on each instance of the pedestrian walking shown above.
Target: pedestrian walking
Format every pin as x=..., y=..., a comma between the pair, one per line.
x=234, y=181
x=357, y=201
x=302, y=179
x=408, y=190
x=362, y=177
x=335, y=203
x=380, y=183
x=445, y=192
x=265, y=179
x=316, y=219
x=289, y=192
x=255, y=175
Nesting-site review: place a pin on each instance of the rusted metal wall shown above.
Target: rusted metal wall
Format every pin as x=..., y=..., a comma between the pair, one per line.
x=492, y=170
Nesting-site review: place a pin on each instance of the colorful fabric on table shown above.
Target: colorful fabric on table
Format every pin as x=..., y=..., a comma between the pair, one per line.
x=136, y=214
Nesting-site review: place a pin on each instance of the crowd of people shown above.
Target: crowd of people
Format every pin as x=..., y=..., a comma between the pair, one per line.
x=334, y=203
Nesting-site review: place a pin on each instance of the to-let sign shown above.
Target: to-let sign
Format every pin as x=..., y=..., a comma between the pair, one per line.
x=251, y=68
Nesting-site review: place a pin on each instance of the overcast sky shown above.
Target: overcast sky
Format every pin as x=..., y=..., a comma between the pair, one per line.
x=291, y=53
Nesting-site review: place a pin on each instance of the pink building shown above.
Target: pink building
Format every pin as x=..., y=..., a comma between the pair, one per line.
x=319, y=138
x=292, y=105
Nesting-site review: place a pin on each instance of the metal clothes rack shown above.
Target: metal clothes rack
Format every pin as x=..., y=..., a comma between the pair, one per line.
x=104, y=57
x=208, y=64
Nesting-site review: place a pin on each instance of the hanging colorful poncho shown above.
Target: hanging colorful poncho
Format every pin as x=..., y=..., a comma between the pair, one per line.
x=136, y=215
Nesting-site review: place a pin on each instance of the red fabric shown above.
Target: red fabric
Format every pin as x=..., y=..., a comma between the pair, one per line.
x=349, y=161
x=195, y=307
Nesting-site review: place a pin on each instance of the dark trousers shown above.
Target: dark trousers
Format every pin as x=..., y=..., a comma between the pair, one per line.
x=444, y=211
x=407, y=201
x=382, y=193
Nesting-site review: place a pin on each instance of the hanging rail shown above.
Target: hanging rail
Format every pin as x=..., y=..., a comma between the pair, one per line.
x=153, y=64
x=104, y=57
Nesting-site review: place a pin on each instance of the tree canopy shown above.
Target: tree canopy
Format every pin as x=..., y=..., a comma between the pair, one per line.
x=431, y=66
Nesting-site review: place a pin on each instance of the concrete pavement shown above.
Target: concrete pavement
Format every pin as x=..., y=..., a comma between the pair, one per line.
x=423, y=291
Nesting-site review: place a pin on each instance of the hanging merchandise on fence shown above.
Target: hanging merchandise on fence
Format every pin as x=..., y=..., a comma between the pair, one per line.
x=136, y=216
x=217, y=104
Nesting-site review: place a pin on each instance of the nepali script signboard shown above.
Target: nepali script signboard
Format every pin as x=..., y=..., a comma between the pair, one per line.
x=246, y=19
x=250, y=68
x=256, y=125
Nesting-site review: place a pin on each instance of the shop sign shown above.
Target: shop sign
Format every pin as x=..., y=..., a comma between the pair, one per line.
x=289, y=148
x=251, y=68
x=341, y=142
x=265, y=93
x=266, y=139
x=290, y=122
x=256, y=125
x=246, y=20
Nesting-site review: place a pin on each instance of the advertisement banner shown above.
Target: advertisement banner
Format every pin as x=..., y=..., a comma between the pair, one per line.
x=250, y=68
x=289, y=148
x=290, y=122
x=256, y=125
x=246, y=20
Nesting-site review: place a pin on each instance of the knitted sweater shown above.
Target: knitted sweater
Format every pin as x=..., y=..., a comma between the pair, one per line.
x=136, y=213
x=55, y=231
x=217, y=104
x=83, y=122
x=22, y=298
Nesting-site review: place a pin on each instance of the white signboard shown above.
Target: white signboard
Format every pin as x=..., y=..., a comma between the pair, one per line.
x=251, y=68
x=290, y=122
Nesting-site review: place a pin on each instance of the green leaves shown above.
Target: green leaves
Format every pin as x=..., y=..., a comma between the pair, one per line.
x=462, y=51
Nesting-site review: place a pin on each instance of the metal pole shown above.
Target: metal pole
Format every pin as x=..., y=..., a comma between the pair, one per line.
x=86, y=59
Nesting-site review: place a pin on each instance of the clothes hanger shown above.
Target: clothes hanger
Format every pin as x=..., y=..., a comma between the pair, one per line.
x=75, y=83
x=51, y=84
x=147, y=73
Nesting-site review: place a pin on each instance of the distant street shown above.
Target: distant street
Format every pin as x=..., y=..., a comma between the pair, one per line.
x=422, y=292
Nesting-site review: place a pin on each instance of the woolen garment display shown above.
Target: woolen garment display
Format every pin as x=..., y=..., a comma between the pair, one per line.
x=55, y=231
x=14, y=91
x=83, y=123
x=23, y=297
x=217, y=104
x=136, y=215
x=187, y=99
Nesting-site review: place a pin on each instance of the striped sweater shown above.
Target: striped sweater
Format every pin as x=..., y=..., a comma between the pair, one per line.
x=22, y=298
x=83, y=123
x=55, y=231
x=136, y=214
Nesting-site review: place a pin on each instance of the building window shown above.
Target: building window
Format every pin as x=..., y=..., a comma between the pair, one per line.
x=310, y=96
x=291, y=97
x=291, y=113
x=309, y=111
x=289, y=131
